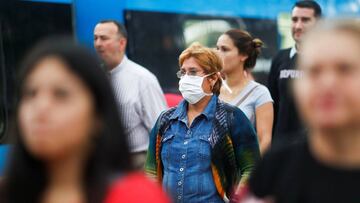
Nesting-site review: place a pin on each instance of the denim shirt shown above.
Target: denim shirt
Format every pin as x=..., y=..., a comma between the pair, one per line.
x=186, y=156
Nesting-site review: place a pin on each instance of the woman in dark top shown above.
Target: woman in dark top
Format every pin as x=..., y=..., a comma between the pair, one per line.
x=70, y=145
x=326, y=168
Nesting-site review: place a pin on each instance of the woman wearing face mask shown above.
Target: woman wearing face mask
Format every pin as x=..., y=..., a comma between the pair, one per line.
x=239, y=51
x=70, y=145
x=203, y=150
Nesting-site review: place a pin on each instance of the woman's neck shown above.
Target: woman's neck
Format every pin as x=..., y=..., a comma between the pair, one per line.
x=339, y=148
x=196, y=109
x=65, y=181
x=236, y=81
x=237, y=78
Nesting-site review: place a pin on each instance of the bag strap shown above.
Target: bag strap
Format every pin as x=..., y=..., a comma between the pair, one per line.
x=246, y=96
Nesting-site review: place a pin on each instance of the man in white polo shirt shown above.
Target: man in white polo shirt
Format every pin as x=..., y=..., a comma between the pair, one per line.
x=136, y=89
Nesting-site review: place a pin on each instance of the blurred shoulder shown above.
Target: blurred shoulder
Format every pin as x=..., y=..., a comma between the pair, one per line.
x=135, y=187
x=275, y=168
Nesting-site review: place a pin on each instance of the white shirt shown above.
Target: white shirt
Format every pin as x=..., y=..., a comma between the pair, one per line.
x=140, y=100
x=256, y=95
x=293, y=51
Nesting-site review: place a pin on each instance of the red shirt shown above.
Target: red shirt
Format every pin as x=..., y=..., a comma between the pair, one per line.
x=172, y=99
x=134, y=188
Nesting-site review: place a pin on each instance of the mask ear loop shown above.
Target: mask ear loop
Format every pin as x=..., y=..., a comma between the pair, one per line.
x=225, y=84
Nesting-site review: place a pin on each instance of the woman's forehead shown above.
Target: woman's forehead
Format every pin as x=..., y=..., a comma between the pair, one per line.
x=191, y=63
x=331, y=46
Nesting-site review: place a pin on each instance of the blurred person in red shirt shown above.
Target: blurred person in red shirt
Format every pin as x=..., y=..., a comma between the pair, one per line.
x=70, y=144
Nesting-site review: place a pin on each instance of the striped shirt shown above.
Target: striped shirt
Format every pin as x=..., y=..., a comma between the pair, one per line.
x=140, y=100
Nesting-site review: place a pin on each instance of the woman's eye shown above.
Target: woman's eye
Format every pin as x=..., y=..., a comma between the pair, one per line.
x=28, y=93
x=61, y=94
x=192, y=73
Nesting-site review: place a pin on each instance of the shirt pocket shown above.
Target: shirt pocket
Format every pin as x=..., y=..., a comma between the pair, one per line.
x=204, y=147
x=166, y=147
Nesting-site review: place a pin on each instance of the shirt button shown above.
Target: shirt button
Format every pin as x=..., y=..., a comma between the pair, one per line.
x=179, y=183
x=185, y=142
x=179, y=197
x=181, y=169
x=183, y=156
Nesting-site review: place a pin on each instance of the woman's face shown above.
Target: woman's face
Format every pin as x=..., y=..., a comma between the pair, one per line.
x=191, y=67
x=56, y=112
x=328, y=93
x=229, y=53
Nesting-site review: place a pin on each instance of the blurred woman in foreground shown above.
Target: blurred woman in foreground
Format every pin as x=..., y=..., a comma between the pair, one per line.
x=70, y=145
x=326, y=168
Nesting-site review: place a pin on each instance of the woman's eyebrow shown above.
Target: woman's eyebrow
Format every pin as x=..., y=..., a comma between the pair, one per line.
x=193, y=68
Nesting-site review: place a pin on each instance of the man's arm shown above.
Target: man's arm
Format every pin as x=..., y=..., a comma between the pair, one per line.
x=273, y=79
x=152, y=103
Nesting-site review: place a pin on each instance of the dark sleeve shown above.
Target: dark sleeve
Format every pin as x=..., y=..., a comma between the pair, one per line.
x=265, y=176
x=273, y=84
x=245, y=145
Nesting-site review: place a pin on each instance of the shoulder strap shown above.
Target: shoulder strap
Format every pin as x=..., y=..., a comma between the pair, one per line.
x=246, y=95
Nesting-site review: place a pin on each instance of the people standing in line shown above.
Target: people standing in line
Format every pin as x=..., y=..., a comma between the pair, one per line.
x=203, y=150
x=137, y=90
x=69, y=145
x=326, y=167
x=239, y=51
x=287, y=126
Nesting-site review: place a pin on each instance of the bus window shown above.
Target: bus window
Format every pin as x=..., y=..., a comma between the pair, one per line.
x=3, y=100
x=156, y=40
x=205, y=31
x=23, y=23
x=3, y=119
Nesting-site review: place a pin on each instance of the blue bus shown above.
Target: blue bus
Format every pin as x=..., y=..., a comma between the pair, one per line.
x=158, y=31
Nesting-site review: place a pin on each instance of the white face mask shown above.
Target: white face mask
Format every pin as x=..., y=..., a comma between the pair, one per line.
x=191, y=88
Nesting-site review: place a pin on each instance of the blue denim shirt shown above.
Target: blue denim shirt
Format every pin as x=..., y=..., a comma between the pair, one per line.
x=186, y=156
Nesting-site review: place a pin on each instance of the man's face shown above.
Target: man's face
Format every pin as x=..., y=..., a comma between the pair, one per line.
x=302, y=19
x=109, y=44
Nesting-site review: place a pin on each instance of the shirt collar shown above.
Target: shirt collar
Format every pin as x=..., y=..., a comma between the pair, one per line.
x=293, y=51
x=121, y=65
x=209, y=111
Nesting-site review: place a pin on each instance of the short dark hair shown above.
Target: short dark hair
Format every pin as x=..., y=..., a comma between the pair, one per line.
x=121, y=28
x=26, y=177
x=310, y=4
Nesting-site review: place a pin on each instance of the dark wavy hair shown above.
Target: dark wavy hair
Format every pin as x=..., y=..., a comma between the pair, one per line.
x=25, y=178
